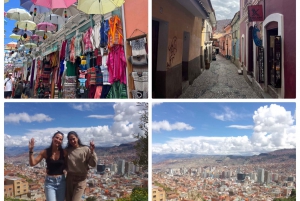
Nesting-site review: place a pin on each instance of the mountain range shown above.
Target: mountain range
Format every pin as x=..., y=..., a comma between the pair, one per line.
x=175, y=160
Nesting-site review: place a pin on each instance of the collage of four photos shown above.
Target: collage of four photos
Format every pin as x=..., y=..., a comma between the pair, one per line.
x=201, y=71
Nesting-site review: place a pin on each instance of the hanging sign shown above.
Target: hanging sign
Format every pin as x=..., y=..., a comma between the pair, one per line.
x=255, y=13
x=255, y=35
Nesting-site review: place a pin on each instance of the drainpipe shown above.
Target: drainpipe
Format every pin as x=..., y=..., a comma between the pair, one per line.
x=125, y=51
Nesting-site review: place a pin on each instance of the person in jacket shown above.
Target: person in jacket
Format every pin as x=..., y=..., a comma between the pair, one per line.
x=41, y=91
x=79, y=158
x=8, y=86
x=55, y=181
x=18, y=89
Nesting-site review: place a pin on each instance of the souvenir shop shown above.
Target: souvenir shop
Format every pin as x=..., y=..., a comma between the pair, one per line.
x=89, y=58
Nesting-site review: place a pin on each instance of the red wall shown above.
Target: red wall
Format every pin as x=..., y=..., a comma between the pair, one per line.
x=136, y=16
x=288, y=9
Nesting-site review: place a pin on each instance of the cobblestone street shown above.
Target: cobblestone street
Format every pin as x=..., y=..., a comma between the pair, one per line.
x=221, y=80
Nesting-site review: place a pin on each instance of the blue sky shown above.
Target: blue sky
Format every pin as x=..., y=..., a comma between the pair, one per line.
x=107, y=124
x=8, y=27
x=222, y=128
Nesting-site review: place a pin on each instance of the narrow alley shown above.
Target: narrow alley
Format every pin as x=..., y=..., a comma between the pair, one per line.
x=221, y=80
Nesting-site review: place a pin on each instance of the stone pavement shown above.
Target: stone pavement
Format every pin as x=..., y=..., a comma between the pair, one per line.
x=221, y=80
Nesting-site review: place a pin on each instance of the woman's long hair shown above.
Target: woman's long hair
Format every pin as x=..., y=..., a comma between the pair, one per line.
x=76, y=135
x=60, y=146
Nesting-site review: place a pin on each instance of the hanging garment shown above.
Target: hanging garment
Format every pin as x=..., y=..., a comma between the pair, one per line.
x=99, y=77
x=32, y=73
x=54, y=59
x=140, y=81
x=95, y=37
x=63, y=50
x=105, y=75
x=140, y=60
x=71, y=70
x=68, y=45
x=105, y=91
x=61, y=67
x=88, y=46
x=78, y=44
x=92, y=76
x=139, y=94
x=104, y=33
x=116, y=64
x=138, y=46
x=98, y=57
x=118, y=90
x=98, y=92
x=82, y=73
x=72, y=50
x=92, y=91
x=46, y=67
x=115, y=33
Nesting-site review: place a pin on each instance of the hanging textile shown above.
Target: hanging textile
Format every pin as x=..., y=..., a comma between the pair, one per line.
x=116, y=64
x=104, y=33
x=88, y=46
x=138, y=46
x=115, y=33
x=118, y=90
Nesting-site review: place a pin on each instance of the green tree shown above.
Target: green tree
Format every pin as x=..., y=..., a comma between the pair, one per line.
x=91, y=199
x=139, y=194
x=142, y=143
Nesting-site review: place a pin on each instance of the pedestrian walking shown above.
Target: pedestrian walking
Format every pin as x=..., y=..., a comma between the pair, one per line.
x=8, y=86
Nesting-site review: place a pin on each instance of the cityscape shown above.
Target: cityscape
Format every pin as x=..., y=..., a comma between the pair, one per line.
x=223, y=151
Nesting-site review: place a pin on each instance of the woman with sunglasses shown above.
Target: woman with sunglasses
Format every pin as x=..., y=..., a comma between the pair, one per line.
x=55, y=182
x=79, y=158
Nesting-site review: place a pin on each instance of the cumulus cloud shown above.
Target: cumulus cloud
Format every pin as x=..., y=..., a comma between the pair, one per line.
x=273, y=129
x=227, y=115
x=225, y=9
x=101, y=116
x=126, y=123
x=24, y=117
x=240, y=126
x=165, y=125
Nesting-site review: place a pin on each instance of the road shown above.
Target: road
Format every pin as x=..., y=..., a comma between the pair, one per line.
x=221, y=80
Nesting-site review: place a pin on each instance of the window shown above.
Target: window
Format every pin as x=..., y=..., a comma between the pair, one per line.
x=9, y=189
x=18, y=182
x=154, y=196
x=18, y=187
x=18, y=191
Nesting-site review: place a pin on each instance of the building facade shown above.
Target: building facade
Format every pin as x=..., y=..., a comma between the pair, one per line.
x=271, y=67
x=20, y=186
x=235, y=43
x=176, y=44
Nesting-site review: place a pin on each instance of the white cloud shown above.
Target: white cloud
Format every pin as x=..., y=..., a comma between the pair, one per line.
x=101, y=116
x=18, y=117
x=240, y=126
x=273, y=129
x=156, y=103
x=227, y=115
x=83, y=106
x=225, y=9
x=165, y=125
x=126, y=123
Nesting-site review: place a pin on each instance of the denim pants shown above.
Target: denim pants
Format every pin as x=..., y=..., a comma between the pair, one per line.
x=55, y=188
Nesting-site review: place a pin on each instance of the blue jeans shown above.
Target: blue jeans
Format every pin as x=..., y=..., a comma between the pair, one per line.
x=55, y=188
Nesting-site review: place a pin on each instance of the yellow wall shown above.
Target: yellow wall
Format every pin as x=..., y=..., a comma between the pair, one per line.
x=20, y=187
x=180, y=20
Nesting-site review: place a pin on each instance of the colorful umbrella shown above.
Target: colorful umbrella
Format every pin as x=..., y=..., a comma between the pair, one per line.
x=54, y=3
x=98, y=7
x=11, y=44
x=22, y=32
x=15, y=36
x=46, y=26
x=18, y=14
x=43, y=33
x=31, y=7
x=30, y=45
x=36, y=37
x=26, y=25
x=55, y=19
x=66, y=12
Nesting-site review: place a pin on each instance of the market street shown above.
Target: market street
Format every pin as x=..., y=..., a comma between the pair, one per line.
x=221, y=80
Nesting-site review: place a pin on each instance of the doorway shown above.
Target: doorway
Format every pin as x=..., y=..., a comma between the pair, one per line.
x=274, y=58
x=155, y=31
x=250, y=51
x=185, y=56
